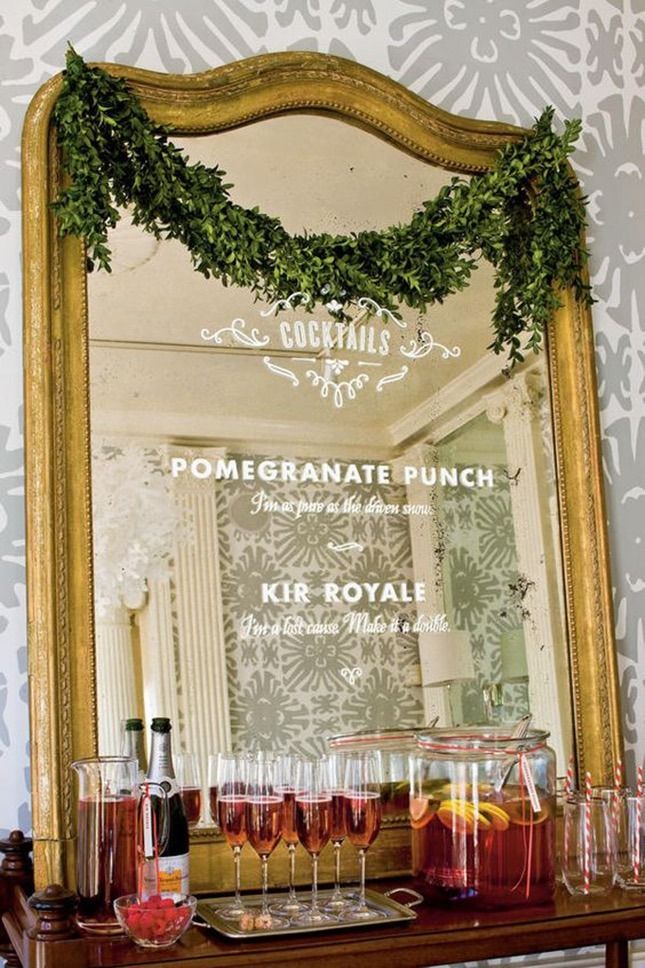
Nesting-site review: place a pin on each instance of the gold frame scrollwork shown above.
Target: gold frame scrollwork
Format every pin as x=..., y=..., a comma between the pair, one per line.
x=59, y=543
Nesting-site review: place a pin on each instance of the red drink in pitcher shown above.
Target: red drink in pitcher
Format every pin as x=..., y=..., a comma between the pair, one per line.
x=106, y=858
x=496, y=853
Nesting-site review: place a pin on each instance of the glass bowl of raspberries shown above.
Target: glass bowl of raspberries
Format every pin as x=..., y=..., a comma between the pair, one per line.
x=156, y=922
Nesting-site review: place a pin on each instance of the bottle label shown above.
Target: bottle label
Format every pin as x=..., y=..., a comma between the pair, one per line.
x=173, y=874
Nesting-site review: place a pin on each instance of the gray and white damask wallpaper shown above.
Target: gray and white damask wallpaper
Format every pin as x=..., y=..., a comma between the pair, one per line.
x=489, y=58
x=289, y=691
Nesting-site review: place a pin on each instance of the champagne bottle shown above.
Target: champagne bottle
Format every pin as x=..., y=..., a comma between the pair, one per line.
x=133, y=744
x=173, y=859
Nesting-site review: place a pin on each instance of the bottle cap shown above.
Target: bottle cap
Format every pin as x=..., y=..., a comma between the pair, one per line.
x=160, y=724
x=133, y=724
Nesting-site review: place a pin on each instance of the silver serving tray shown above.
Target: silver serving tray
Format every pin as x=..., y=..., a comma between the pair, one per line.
x=392, y=913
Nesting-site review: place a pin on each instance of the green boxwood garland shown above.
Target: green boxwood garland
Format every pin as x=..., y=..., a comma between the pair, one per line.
x=525, y=216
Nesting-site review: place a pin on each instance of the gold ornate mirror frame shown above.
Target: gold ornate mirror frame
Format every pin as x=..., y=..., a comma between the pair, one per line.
x=59, y=539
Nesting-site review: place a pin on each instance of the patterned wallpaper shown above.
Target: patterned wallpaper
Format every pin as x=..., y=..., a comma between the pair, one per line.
x=288, y=691
x=489, y=58
x=481, y=570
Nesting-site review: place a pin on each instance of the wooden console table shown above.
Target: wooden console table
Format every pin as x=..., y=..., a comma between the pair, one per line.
x=41, y=934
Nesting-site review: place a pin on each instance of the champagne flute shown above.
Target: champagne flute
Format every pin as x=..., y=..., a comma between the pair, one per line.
x=338, y=826
x=232, y=790
x=213, y=766
x=363, y=819
x=190, y=785
x=263, y=825
x=313, y=823
x=286, y=767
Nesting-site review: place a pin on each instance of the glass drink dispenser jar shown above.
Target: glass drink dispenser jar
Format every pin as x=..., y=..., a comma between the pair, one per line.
x=482, y=811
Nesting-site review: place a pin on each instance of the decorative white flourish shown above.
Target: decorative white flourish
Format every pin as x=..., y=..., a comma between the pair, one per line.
x=392, y=378
x=236, y=329
x=425, y=344
x=348, y=387
x=366, y=303
x=348, y=546
x=351, y=675
x=304, y=297
x=281, y=370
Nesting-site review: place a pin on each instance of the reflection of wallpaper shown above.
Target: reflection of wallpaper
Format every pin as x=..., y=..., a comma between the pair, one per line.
x=289, y=689
x=480, y=568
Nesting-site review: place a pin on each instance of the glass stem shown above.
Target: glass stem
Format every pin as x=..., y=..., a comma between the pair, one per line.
x=292, y=872
x=265, y=883
x=337, y=846
x=236, y=860
x=314, y=883
x=361, y=901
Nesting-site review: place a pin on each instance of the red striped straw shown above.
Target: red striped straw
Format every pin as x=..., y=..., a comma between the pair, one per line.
x=568, y=780
x=618, y=785
x=587, y=834
x=636, y=841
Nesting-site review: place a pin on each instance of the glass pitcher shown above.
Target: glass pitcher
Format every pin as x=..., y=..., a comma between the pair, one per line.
x=110, y=844
x=482, y=811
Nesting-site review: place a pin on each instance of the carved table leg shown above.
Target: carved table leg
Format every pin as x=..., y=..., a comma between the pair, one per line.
x=16, y=871
x=617, y=954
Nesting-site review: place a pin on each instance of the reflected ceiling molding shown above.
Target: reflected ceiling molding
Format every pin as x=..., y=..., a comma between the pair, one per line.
x=453, y=395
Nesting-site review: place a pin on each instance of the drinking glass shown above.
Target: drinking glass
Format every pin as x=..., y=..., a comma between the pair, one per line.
x=588, y=847
x=213, y=767
x=286, y=767
x=263, y=824
x=363, y=781
x=313, y=824
x=629, y=831
x=190, y=784
x=338, y=826
x=232, y=789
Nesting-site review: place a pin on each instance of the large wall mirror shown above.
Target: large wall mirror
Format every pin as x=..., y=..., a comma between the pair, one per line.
x=275, y=527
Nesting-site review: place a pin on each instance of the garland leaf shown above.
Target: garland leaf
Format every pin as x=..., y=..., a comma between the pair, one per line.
x=525, y=216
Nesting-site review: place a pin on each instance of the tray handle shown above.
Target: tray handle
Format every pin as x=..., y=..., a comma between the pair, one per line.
x=416, y=897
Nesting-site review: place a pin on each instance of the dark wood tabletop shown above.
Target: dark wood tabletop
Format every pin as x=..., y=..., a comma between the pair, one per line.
x=439, y=935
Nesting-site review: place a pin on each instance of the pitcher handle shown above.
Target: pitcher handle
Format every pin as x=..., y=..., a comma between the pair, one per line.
x=163, y=830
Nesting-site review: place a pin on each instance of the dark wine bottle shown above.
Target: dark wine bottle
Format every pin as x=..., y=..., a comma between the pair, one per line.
x=133, y=744
x=172, y=865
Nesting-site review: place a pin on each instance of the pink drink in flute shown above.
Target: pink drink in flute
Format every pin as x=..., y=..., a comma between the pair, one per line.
x=264, y=825
x=232, y=786
x=286, y=766
x=313, y=823
x=363, y=817
x=338, y=831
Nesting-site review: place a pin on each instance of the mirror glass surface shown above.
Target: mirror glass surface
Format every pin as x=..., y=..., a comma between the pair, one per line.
x=304, y=528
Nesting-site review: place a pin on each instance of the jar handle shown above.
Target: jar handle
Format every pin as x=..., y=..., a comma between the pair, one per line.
x=417, y=898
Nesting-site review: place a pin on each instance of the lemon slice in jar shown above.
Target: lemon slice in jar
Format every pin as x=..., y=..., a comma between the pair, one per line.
x=498, y=817
x=461, y=816
x=522, y=813
x=422, y=810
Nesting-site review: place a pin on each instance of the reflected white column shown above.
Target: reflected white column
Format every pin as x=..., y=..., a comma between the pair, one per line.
x=203, y=701
x=427, y=568
x=115, y=677
x=516, y=407
x=158, y=663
